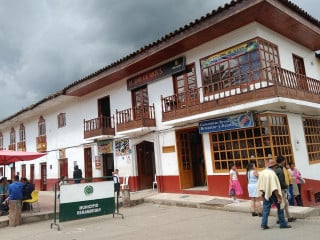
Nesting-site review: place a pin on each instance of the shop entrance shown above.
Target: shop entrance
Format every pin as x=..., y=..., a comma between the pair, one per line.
x=146, y=164
x=190, y=156
x=108, y=164
x=43, y=175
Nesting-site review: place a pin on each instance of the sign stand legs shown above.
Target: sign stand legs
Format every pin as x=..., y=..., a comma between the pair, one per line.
x=116, y=210
x=55, y=209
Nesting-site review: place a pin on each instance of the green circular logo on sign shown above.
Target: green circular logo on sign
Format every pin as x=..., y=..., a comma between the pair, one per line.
x=88, y=190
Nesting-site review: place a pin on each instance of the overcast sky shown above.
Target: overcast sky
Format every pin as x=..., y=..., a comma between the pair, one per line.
x=47, y=44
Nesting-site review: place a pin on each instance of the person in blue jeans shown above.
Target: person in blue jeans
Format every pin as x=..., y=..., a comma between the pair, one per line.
x=269, y=185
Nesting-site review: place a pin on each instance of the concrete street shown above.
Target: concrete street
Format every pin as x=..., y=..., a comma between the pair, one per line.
x=154, y=221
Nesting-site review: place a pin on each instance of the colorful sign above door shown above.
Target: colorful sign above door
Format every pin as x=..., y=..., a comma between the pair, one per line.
x=105, y=147
x=244, y=120
x=229, y=53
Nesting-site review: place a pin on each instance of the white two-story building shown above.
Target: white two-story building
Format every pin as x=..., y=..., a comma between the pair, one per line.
x=240, y=84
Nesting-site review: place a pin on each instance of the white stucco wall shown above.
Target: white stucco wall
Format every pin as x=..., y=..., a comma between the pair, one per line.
x=300, y=149
x=78, y=109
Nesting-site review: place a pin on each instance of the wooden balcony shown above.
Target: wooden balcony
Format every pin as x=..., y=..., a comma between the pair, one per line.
x=262, y=84
x=41, y=143
x=138, y=117
x=12, y=147
x=21, y=146
x=101, y=126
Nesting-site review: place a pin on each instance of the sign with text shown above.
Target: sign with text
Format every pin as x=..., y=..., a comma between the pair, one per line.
x=244, y=120
x=85, y=200
x=229, y=53
x=162, y=71
x=105, y=147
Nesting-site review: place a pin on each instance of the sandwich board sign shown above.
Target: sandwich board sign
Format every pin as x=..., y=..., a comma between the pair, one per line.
x=85, y=200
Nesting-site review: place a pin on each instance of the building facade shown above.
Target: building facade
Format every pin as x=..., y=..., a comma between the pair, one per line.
x=239, y=85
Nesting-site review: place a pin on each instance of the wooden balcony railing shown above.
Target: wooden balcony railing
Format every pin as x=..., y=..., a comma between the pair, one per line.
x=41, y=143
x=21, y=146
x=12, y=146
x=256, y=85
x=99, y=126
x=140, y=116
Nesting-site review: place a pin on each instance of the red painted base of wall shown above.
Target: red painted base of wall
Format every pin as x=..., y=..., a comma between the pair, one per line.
x=218, y=185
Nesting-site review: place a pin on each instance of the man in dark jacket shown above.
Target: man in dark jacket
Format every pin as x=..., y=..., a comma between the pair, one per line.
x=26, y=192
x=27, y=189
x=77, y=174
x=284, y=186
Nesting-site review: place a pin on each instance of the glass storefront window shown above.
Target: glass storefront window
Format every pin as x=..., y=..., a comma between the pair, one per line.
x=269, y=138
x=312, y=136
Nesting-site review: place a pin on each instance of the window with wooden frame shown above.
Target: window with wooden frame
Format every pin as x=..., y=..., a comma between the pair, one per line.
x=269, y=138
x=246, y=62
x=22, y=133
x=41, y=126
x=1, y=141
x=61, y=120
x=312, y=135
x=185, y=86
x=12, y=136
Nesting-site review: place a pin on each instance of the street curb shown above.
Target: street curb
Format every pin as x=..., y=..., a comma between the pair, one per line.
x=214, y=204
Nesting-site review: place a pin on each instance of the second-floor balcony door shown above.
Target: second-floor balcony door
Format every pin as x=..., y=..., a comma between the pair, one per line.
x=140, y=103
x=301, y=71
x=184, y=84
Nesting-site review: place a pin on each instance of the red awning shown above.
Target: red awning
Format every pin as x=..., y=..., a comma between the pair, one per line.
x=9, y=156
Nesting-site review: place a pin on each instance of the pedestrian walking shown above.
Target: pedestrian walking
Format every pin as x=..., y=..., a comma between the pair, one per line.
x=268, y=184
x=252, y=178
x=235, y=188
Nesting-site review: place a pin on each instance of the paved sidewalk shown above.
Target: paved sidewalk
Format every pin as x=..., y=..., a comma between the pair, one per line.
x=46, y=203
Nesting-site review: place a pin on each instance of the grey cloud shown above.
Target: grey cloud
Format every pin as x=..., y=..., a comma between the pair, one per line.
x=46, y=45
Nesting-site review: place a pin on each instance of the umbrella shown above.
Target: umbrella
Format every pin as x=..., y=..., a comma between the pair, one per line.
x=10, y=156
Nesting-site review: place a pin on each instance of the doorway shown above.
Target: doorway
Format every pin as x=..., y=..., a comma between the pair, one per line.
x=108, y=164
x=43, y=177
x=299, y=68
x=190, y=157
x=87, y=163
x=146, y=164
x=63, y=167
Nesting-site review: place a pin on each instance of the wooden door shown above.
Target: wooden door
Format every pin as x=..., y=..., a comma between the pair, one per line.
x=13, y=172
x=63, y=167
x=87, y=163
x=301, y=71
x=185, y=160
x=23, y=171
x=43, y=176
x=31, y=173
x=140, y=100
x=146, y=164
x=185, y=87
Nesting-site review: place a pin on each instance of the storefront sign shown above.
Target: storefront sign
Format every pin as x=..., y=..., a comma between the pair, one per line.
x=162, y=71
x=244, y=120
x=105, y=147
x=85, y=200
x=122, y=147
x=230, y=53
x=168, y=149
